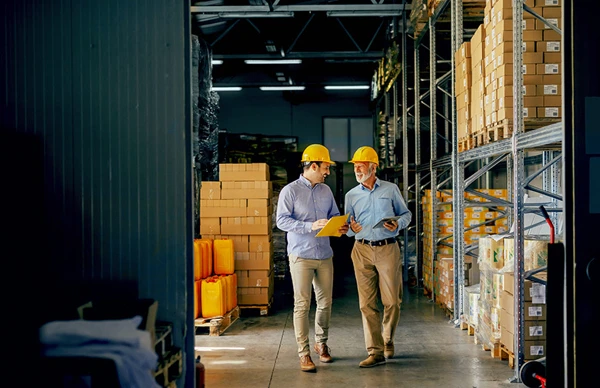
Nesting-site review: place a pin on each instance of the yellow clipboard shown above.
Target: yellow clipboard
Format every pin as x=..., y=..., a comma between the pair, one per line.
x=331, y=228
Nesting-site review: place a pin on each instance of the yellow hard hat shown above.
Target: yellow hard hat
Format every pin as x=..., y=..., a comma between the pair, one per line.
x=365, y=154
x=316, y=153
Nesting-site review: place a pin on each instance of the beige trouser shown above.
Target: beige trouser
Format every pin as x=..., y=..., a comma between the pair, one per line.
x=378, y=269
x=307, y=273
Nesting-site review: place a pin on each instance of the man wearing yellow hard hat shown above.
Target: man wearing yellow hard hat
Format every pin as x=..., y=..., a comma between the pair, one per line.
x=304, y=207
x=377, y=214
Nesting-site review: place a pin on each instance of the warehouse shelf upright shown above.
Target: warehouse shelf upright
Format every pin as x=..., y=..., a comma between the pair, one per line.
x=427, y=173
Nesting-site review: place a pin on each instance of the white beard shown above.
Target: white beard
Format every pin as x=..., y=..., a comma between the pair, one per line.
x=364, y=176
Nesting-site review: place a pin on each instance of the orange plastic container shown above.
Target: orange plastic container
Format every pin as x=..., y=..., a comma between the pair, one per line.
x=206, y=246
x=224, y=257
x=226, y=279
x=197, y=260
x=197, y=298
x=213, y=297
x=234, y=290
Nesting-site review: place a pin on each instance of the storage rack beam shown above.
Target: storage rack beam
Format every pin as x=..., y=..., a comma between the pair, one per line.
x=219, y=9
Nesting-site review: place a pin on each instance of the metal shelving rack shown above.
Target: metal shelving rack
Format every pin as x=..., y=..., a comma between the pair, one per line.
x=511, y=150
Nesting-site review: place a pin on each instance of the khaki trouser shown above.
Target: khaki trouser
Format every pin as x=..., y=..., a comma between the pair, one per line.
x=307, y=273
x=378, y=269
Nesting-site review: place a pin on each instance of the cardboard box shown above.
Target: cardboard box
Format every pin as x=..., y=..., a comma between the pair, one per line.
x=253, y=260
x=210, y=226
x=549, y=112
x=534, y=349
x=551, y=12
x=243, y=172
x=553, y=46
x=540, y=25
x=548, y=3
x=254, y=278
x=246, y=225
x=550, y=35
x=548, y=68
x=247, y=190
x=259, y=208
x=550, y=57
x=549, y=90
x=210, y=190
x=222, y=208
x=534, y=35
x=507, y=339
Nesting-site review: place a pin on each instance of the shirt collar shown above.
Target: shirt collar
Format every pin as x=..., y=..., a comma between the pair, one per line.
x=376, y=185
x=305, y=181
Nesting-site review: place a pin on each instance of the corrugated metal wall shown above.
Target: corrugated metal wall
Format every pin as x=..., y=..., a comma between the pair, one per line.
x=105, y=85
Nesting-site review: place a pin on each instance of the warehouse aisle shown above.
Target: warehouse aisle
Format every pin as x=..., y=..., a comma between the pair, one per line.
x=430, y=352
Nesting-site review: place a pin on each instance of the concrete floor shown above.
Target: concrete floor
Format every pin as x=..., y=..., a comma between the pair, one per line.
x=260, y=351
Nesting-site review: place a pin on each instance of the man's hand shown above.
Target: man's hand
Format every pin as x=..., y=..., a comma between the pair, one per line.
x=355, y=226
x=391, y=225
x=319, y=224
x=344, y=228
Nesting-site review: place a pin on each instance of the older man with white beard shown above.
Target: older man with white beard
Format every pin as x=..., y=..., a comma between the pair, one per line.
x=376, y=254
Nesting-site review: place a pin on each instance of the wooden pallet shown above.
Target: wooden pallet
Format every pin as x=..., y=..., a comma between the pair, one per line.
x=506, y=354
x=263, y=309
x=217, y=325
x=471, y=329
x=480, y=138
x=465, y=143
x=494, y=350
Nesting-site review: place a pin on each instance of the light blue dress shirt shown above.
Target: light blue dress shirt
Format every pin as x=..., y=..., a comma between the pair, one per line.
x=299, y=205
x=370, y=206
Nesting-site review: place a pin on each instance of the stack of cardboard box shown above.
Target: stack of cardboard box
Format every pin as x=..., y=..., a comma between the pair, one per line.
x=239, y=207
x=541, y=59
x=444, y=228
x=462, y=90
x=534, y=318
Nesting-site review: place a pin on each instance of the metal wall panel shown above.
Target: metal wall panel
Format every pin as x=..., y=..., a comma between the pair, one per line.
x=105, y=86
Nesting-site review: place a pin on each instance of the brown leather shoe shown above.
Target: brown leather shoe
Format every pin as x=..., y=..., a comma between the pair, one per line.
x=372, y=360
x=388, y=350
x=306, y=364
x=323, y=352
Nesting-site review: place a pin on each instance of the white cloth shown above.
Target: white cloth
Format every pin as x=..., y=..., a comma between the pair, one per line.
x=117, y=340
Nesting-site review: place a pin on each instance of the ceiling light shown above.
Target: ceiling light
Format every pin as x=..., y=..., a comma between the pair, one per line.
x=347, y=87
x=282, y=79
x=279, y=74
x=280, y=88
x=226, y=88
x=273, y=61
x=217, y=61
x=256, y=14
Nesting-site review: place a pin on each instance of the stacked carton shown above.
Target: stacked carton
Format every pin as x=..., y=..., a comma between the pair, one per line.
x=443, y=224
x=534, y=318
x=462, y=90
x=491, y=262
x=239, y=207
x=541, y=59
x=477, y=115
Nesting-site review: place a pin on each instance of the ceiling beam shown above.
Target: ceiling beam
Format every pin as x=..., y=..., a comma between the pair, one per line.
x=305, y=55
x=300, y=8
